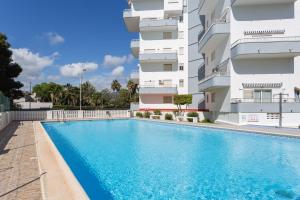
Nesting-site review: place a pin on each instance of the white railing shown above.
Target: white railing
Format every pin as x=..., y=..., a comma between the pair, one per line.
x=5, y=119
x=86, y=114
x=152, y=51
x=268, y=100
x=220, y=70
x=266, y=39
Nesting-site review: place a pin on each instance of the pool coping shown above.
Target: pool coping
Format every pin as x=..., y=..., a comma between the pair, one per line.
x=253, y=130
x=59, y=182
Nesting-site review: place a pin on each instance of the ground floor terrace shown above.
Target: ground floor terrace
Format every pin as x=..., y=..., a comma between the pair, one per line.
x=31, y=169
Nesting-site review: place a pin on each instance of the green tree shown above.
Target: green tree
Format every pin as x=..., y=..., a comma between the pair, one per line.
x=132, y=88
x=116, y=86
x=180, y=100
x=70, y=95
x=97, y=99
x=9, y=70
x=87, y=91
x=122, y=100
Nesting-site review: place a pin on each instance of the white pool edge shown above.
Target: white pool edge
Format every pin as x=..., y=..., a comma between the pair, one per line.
x=58, y=172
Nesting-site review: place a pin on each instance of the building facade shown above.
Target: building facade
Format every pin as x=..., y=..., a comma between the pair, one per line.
x=163, y=50
x=252, y=51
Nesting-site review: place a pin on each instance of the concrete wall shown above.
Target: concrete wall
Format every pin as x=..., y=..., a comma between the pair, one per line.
x=195, y=59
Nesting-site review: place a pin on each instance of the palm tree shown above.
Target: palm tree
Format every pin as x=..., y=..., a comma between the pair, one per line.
x=87, y=91
x=131, y=86
x=116, y=86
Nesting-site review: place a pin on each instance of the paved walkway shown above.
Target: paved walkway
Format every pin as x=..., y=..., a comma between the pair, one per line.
x=288, y=132
x=19, y=172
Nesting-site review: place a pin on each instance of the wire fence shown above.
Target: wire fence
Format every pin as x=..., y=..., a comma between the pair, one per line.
x=4, y=103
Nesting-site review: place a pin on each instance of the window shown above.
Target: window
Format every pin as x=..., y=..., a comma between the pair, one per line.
x=180, y=34
x=263, y=95
x=168, y=67
x=181, y=83
x=213, y=56
x=181, y=68
x=248, y=94
x=207, y=98
x=167, y=35
x=168, y=99
x=213, y=97
x=181, y=18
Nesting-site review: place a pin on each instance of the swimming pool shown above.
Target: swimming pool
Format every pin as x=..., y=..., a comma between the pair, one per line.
x=133, y=159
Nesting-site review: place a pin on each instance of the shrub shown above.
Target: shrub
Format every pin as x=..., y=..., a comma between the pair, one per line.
x=168, y=116
x=139, y=115
x=147, y=114
x=192, y=114
x=157, y=112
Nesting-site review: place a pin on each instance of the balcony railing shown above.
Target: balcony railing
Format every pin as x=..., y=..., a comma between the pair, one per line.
x=268, y=100
x=266, y=39
x=219, y=70
x=159, y=86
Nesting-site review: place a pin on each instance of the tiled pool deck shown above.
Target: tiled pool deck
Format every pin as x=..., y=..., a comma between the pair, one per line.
x=19, y=169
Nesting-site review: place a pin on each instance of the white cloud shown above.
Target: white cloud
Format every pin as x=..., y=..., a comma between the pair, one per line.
x=53, y=77
x=75, y=69
x=32, y=63
x=55, y=38
x=118, y=71
x=112, y=61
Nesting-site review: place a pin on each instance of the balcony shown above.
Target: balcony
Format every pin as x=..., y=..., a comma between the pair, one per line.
x=266, y=47
x=219, y=78
x=135, y=76
x=132, y=21
x=149, y=24
x=259, y=2
x=173, y=7
x=215, y=34
x=289, y=105
x=169, y=90
x=135, y=47
x=153, y=56
x=205, y=6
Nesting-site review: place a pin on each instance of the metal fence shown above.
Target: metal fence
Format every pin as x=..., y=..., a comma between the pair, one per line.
x=4, y=103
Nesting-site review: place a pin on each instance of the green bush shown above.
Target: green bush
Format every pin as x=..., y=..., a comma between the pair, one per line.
x=168, y=116
x=192, y=114
x=157, y=112
x=147, y=114
x=139, y=115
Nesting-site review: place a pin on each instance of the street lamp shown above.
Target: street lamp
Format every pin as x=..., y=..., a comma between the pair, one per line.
x=81, y=75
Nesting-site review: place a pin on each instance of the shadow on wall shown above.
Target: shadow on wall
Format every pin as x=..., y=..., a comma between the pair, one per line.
x=202, y=20
x=263, y=66
x=264, y=12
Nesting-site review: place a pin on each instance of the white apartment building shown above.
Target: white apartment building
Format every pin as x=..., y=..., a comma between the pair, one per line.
x=252, y=53
x=163, y=51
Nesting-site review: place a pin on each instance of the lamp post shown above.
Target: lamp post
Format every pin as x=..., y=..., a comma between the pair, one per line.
x=30, y=95
x=280, y=107
x=80, y=95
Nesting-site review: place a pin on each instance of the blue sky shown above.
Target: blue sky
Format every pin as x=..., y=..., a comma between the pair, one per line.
x=54, y=39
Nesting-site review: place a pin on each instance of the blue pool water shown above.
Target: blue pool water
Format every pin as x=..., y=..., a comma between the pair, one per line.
x=131, y=159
